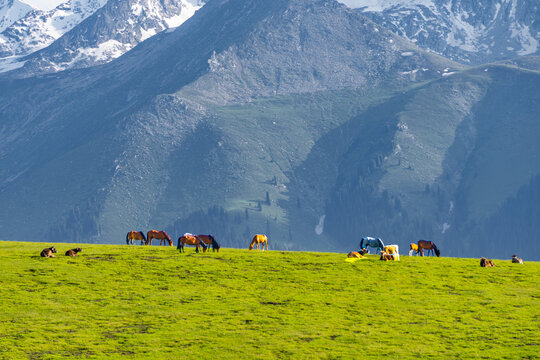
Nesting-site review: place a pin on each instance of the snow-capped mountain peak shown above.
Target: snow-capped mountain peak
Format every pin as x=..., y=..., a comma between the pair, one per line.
x=467, y=31
x=111, y=30
x=11, y=11
x=38, y=29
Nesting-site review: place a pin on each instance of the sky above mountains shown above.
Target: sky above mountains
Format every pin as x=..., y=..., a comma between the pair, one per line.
x=43, y=4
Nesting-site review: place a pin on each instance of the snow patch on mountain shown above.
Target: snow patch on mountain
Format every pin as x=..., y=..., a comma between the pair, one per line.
x=465, y=30
x=111, y=31
x=38, y=29
x=11, y=11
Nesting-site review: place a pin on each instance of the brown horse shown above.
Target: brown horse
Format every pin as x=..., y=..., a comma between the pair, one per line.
x=428, y=245
x=190, y=239
x=135, y=235
x=162, y=235
x=210, y=240
x=259, y=239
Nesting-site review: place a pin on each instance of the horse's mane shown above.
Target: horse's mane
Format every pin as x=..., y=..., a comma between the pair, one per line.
x=202, y=243
x=166, y=235
x=142, y=234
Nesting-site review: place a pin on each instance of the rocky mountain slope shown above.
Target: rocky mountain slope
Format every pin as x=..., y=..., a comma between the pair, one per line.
x=298, y=118
x=471, y=32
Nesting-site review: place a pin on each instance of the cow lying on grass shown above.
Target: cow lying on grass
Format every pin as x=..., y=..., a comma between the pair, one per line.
x=517, y=260
x=48, y=252
x=73, y=252
x=486, y=262
x=392, y=249
x=387, y=257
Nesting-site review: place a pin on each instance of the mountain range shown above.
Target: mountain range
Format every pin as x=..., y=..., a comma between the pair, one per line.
x=470, y=32
x=301, y=119
x=85, y=33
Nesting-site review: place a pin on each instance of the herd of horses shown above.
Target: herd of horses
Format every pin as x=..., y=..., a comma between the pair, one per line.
x=377, y=243
x=199, y=241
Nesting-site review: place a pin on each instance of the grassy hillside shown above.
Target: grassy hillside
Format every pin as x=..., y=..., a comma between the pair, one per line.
x=152, y=302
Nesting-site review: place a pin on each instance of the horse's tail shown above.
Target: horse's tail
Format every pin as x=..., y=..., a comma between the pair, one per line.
x=127, y=238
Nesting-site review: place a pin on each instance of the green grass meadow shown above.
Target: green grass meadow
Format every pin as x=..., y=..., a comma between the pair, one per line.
x=140, y=302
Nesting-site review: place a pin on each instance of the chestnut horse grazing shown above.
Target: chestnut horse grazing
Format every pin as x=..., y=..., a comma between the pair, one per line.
x=259, y=239
x=162, y=235
x=210, y=240
x=190, y=239
x=135, y=235
x=413, y=247
x=428, y=245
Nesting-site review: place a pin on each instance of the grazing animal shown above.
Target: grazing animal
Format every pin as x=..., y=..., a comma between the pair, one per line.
x=392, y=249
x=73, y=252
x=363, y=251
x=428, y=245
x=354, y=254
x=48, y=252
x=135, y=235
x=486, y=262
x=190, y=239
x=387, y=257
x=413, y=247
x=517, y=260
x=371, y=242
x=162, y=235
x=259, y=240
x=210, y=240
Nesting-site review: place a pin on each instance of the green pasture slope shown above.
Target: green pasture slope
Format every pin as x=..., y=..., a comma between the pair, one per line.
x=139, y=302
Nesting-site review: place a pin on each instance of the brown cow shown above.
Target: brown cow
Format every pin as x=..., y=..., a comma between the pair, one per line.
x=486, y=262
x=387, y=257
x=73, y=252
x=48, y=252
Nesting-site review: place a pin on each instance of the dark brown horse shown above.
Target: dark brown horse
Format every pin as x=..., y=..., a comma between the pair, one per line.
x=162, y=235
x=190, y=239
x=210, y=240
x=135, y=235
x=429, y=246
